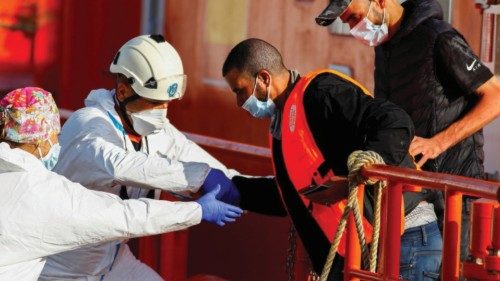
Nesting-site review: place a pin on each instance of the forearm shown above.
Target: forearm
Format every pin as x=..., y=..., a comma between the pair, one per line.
x=485, y=111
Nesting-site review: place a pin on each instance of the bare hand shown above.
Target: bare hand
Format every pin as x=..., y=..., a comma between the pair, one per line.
x=428, y=148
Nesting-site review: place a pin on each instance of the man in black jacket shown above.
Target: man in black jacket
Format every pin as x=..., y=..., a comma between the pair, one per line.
x=317, y=121
x=425, y=66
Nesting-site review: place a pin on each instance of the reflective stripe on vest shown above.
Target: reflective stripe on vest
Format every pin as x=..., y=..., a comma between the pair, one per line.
x=304, y=161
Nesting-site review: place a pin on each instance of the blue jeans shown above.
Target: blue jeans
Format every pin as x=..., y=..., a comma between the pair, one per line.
x=421, y=249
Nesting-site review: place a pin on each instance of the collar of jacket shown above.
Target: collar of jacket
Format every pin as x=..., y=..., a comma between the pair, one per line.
x=416, y=12
x=17, y=160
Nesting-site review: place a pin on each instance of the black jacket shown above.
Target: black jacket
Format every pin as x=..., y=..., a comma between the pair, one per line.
x=428, y=69
x=342, y=119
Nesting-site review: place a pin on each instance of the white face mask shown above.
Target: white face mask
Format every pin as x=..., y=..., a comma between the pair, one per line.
x=260, y=109
x=369, y=33
x=50, y=160
x=149, y=121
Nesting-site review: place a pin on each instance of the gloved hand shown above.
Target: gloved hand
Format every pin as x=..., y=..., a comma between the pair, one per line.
x=228, y=191
x=215, y=211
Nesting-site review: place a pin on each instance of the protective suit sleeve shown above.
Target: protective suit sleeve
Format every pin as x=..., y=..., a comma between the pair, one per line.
x=92, y=155
x=260, y=195
x=48, y=214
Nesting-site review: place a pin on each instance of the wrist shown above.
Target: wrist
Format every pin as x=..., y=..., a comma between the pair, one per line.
x=441, y=142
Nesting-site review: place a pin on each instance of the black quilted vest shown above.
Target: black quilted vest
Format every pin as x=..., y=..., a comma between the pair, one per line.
x=408, y=74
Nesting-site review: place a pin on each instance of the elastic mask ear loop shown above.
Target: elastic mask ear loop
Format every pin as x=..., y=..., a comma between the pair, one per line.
x=269, y=90
x=383, y=18
x=254, y=85
x=369, y=9
x=40, y=151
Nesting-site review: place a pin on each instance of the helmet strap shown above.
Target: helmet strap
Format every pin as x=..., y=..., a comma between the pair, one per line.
x=123, y=110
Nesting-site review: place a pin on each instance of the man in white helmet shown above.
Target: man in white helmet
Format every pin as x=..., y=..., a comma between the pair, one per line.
x=122, y=143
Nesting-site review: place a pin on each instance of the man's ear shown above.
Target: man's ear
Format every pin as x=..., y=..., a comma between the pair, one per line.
x=122, y=90
x=264, y=76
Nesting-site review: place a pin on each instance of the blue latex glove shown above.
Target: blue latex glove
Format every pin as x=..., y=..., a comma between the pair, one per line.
x=228, y=191
x=215, y=211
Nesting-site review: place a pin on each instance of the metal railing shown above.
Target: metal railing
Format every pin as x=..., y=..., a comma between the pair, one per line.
x=486, y=267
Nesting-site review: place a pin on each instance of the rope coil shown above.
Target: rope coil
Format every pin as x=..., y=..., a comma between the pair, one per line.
x=355, y=162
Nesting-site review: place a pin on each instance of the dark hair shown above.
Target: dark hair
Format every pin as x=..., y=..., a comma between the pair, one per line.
x=253, y=55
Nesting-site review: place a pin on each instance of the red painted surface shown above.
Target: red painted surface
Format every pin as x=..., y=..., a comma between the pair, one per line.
x=92, y=32
x=353, y=254
x=454, y=187
x=29, y=44
x=482, y=218
x=484, y=262
x=496, y=228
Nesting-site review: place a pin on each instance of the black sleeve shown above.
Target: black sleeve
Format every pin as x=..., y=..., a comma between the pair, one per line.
x=388, y=130
x=454, y=54
x=371, y=124
x=260, y=195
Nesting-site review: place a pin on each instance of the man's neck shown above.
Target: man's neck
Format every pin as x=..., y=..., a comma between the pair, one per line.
x=396, y=12
x=283, y=82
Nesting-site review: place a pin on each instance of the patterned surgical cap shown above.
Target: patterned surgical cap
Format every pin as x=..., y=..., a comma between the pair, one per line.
x=28, y=115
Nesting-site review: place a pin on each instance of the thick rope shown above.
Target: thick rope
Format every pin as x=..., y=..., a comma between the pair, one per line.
x=355, y=162
x=376, y=226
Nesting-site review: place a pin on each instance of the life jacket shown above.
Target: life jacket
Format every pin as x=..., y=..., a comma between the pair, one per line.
x=305, y=163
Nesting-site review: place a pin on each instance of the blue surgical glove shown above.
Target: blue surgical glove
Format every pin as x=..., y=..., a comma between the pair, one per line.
x=215, y=211
x=228, y=191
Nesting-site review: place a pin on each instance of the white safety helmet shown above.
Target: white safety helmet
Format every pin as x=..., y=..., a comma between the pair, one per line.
x=153, y=68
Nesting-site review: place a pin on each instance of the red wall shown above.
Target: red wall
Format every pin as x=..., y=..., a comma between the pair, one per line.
x=92, y=32
x=29, y=44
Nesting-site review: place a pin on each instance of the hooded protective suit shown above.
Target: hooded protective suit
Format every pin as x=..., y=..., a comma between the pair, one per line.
x=97, y=153
x=43, y=213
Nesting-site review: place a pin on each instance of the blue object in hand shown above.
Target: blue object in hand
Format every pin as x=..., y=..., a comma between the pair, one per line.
x=215, y=211
x=228, y=191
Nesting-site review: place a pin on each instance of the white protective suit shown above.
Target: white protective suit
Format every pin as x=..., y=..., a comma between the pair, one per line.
x=96, y=152
x=43, y=213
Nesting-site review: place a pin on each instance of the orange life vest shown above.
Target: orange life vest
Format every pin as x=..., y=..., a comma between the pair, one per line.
x=303, y=158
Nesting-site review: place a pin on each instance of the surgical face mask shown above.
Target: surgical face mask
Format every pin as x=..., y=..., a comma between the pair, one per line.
x=260, y=109
x=50, y=160
x=149, y=121
x=370, y=33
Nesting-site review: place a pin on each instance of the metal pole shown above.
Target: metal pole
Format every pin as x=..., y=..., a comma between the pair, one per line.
x=353, y=249
x=393, y=240
x=451, y=237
